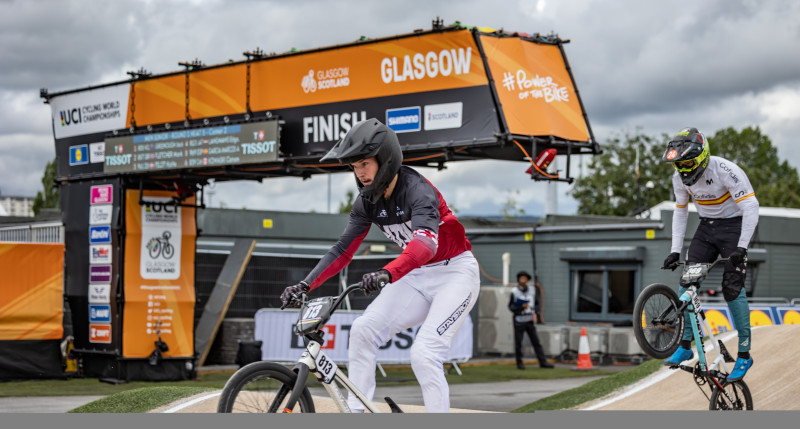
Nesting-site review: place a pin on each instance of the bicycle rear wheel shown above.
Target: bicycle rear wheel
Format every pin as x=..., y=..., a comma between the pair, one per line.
x=262, y=387
x=657, y=325
x=734, y=395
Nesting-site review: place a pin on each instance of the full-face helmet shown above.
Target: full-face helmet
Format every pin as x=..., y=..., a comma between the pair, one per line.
x=689, y=154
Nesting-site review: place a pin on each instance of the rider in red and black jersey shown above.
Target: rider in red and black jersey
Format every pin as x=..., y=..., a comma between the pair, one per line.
x=434, y=281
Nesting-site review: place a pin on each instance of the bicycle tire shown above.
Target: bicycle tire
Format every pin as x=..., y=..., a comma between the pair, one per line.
x=739, y=392
x=253, y=389
x=659, y=340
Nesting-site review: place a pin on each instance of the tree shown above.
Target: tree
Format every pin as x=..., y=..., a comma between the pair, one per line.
x=48, y=198
x=510, y=209
x=776, y=183
x=347, y=205
x=614, y=186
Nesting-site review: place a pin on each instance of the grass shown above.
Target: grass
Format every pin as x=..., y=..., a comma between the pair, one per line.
x=593, y=390
x=139, y=400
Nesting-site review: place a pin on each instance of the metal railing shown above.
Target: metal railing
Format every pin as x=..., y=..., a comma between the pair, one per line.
x=41, y=232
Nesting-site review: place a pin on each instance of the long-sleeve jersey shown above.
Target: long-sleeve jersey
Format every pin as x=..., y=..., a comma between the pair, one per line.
x=415, y=217
x=518, y=297
x=723, y=191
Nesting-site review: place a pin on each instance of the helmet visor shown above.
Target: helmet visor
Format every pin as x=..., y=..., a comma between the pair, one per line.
x=686, y=166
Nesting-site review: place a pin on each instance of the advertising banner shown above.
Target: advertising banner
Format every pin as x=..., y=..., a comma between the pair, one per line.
x=535, y=89
x=88, y=112
x=31, y=296
x=159, y=275
x=279, y=343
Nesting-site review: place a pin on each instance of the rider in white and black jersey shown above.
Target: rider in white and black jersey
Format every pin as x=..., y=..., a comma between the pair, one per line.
x=728, y=210
x=434, y=281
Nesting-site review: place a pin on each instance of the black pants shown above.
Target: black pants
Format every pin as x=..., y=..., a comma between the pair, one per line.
x=719, y=237
x=519, y=330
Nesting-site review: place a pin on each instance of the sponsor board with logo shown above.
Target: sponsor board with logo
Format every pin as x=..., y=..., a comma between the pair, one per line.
x=275, y=329
x=444, y=116
x=100, y=254
x=99, y=313
x=91, y=111
x=99, y=293
x=404, y=119
x=101, y=194
x=160, y=252
x=99, y=234
x=79, y=154
x=100, y=333
x=97, y=152
x=100, y=214
x=99, y=273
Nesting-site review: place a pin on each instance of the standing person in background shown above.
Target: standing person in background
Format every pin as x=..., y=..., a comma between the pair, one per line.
x=526, y=306
x=728, y=209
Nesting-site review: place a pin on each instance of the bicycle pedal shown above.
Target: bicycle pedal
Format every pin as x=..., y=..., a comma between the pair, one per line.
x=392, y=405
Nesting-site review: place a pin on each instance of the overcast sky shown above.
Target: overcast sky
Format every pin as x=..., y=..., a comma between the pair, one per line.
x=653, y=67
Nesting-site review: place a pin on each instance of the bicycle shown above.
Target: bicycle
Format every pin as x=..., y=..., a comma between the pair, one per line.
x=161, y=246
x=659, y=316
x=269, y=387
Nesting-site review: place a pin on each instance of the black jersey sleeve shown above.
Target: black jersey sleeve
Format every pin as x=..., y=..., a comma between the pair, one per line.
x=342, y=252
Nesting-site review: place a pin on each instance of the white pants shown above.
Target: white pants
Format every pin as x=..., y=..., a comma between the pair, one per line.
x=438, y=295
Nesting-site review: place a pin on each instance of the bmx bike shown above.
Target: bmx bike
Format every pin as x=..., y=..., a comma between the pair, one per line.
x=658, y=323
x=269, y=387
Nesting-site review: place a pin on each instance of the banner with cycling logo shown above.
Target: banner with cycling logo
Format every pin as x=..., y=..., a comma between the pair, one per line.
x=274, y=328
x=159, y=275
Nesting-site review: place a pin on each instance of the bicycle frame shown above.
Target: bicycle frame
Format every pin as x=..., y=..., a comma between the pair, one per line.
x=314, y=360
x=320, y=365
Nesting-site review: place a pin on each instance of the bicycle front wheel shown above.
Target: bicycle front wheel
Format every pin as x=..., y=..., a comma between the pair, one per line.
x=657, y=325
x=262, y=387
x=734, y=395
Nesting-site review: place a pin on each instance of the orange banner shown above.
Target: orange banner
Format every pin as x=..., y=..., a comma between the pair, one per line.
x=535, y=89
x=31, y=291
x=401, y=66
x=159, y=275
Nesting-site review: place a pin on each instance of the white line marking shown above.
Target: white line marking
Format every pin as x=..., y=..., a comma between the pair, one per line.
x=187, y=404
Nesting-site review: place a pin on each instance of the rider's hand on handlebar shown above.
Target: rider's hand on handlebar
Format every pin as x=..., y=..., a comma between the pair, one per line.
x=374, y=282
x=291, y=295
x=738, y=256
x=672, y=261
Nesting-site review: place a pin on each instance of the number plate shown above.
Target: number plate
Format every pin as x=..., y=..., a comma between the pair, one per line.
x=326, y=367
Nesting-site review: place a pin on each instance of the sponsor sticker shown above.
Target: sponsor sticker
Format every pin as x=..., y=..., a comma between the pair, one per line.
x=99, y=294
x=100, y=333
x=443, y=116
x=79, y=155
x=100, y=215
x=404, y=119
x=99, y=234
x=102, y=194
x=100, y=254
x=99, y=313
x=97, y=152
x=100, y=273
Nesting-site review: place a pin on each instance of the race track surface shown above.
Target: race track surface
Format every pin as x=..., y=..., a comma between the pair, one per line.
x=772, y=379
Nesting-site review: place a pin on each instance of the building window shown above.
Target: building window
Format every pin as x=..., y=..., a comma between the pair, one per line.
x=603, y=293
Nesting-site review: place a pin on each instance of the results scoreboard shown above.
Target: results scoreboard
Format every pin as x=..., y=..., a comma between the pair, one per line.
x=218, y=146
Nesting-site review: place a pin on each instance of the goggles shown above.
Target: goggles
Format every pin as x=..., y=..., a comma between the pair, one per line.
x=686, y=166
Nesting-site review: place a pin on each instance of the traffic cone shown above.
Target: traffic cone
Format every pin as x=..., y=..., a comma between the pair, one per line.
x=584, y=357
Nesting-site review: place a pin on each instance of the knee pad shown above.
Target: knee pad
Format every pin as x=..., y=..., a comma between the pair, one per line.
x=732, y=284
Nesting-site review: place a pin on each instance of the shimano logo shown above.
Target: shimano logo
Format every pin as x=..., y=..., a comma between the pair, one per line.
x=404, y=120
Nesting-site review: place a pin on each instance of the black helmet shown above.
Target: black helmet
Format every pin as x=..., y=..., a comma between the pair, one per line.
x=524, y=273
x=367, y=139
x=689, y=154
